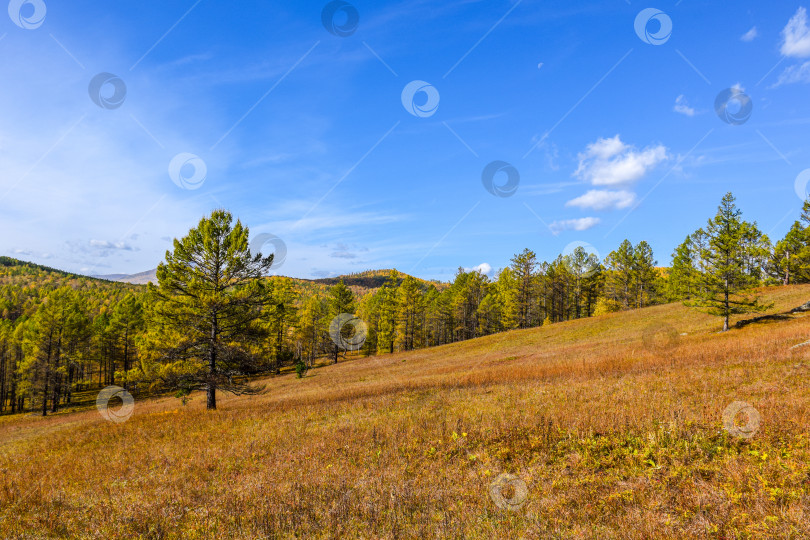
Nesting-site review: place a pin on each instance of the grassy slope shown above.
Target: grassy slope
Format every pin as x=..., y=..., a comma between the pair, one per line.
x=612, y=422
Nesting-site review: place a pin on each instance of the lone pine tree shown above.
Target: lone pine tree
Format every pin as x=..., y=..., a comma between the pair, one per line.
x=723, y=280
x=206, y=312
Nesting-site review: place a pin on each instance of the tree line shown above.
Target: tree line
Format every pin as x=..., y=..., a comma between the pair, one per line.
x=215, y=318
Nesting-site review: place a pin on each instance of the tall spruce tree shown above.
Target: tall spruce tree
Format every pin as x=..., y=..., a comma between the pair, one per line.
x=205, y=312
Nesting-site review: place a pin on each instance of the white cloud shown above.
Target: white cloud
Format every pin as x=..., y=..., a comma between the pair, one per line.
x=610, y=162
x=104, y=244
x=605, y=148
x=483, y=268
x=581, y=224
x=799, y=73
x=751, y=35
x=547, y=188
x=681, y=106
x=598, y=199
x=323, y=274
x=347, y=251
x=796, y=36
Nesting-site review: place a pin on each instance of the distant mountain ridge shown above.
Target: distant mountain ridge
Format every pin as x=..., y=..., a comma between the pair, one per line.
x=141, y=278
x=359, y=282
x=370, y=279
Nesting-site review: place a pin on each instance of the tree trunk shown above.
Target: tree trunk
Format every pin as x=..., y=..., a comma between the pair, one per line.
x=211, y=403
x=57, y=384
x=3, y=372
x=57, y=379
x=725, y=320
x=14, y=399
x=44, y=398
x=126, y=356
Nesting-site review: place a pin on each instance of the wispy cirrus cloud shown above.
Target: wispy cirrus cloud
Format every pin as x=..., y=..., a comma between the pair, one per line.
x=346, y=251
x=599, y=199
x=580, y=224
x=796, y=36
x=800, y=73
x=105, y=244
x=750, y=36
x=682, y=107
x=795, y=44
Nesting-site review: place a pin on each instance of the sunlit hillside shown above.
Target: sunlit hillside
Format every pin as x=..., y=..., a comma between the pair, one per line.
x=610, y=427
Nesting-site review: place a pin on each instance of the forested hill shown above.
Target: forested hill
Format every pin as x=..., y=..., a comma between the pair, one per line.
x=13, y=266
x=60, y=332
x=28, y=273
x=24, y=286
x=359, y=282
x=371, y=280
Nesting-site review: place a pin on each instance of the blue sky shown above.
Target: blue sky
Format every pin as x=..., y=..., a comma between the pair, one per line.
x=608, y=133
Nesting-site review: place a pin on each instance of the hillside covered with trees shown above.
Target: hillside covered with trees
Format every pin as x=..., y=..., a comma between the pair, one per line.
x=215, y=318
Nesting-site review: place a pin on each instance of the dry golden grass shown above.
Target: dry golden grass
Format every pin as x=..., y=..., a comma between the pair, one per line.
x=613, y=424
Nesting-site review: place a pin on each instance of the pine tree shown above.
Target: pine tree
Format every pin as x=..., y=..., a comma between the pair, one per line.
x=126, y=323
x=437, y=317
x=466, y=293
x=280, y=316
x=555, y=286
x=506, y=293
x=523, y=267
x=53, y=333
x=368, y=310
x=724, y=278
x=7, y=366
x=411, y=307
x=683, y=274
x=205, y=312
x=645, y=276
x=620, y=276
x=312, y=327
x=388, y=309
x=756, y=249
x=789, y=261
x=581, y=265
x=341, y=300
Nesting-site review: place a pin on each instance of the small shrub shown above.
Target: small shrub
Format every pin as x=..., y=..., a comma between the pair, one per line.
x=301, y=368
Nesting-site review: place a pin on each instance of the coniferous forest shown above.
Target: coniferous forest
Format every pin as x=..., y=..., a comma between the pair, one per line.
x=216, y=318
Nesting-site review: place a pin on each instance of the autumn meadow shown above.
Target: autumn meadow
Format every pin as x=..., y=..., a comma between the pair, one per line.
x=613, y=423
